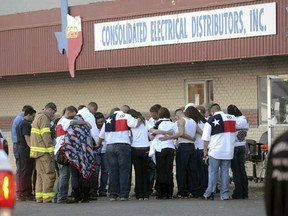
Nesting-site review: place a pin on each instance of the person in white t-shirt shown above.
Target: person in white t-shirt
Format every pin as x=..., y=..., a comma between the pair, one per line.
x=154, y=117
x=140, y=159
x=100, y=187
x=202, y=169
x=238, y=162
x=185, y=153
x=165, y=158
x=219, y=136
x=116, y=133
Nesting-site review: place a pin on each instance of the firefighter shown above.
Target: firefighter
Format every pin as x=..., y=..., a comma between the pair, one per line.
x=42, y=149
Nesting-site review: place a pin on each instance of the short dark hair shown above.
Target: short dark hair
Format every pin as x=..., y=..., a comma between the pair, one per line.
x=71, y=109
x=155, y=108
x=81, y=107
x=177, y=110
x=164, y=113
x=52, y=106
x=215, y=106
x=114, y=109
x=125, y=107
x=25, y=107
x=98, y=115
x=93, y=104
x=29, y=111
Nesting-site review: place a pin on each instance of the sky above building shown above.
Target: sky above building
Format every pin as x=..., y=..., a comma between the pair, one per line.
x=20, y=6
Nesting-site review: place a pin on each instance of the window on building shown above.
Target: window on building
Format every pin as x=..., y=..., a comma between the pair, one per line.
x=199, y=92
x=279, y=100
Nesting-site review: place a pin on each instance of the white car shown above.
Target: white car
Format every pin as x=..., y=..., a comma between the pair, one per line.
x=7, y=186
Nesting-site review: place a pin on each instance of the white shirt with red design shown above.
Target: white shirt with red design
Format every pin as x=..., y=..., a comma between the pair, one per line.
x=61, y=129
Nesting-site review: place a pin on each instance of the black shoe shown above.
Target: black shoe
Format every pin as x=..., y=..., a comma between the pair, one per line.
x=26, y=198
x=160, y=197
x=236, y=197
x=179, y=196
x=102, y=195
x=211, y=197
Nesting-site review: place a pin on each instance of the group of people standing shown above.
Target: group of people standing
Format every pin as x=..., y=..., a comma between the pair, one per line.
x=83, y=143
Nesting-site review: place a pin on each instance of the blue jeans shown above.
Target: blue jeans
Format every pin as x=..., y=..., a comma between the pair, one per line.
x=62, y=186
x=119, y=163
x=239, y=173
x=214, y=165
x=102, y=166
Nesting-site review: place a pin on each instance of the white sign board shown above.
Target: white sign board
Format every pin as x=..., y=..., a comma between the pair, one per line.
x=227, y=23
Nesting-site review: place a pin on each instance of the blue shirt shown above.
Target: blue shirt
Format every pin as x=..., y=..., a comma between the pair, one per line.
x=15, y=123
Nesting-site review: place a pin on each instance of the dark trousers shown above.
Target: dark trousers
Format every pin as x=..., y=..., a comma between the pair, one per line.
x=77, y=181
x=186, y=168
x=164, y=162
x=202, y=175
x=140, y=160
x=239, y=173
x=26, y=165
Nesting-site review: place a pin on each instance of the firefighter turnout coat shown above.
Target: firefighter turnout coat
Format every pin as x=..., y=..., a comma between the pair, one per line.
x=41, y=139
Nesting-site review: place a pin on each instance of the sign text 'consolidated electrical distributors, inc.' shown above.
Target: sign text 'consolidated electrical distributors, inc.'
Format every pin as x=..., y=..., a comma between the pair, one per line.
x=227, y=23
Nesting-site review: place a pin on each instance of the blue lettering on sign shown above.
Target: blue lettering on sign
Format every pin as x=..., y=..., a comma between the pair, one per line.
x=122, y=34
x=168, y=29
x=217, y=24
x=256, y=20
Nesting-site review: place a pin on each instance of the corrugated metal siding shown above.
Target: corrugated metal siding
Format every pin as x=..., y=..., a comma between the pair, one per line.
x=34, y=50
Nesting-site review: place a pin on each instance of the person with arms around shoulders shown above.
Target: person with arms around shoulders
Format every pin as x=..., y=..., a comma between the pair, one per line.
x=238, y=162
x=98, y=188
x=62, y=187
x=165, y=155
x=219, y=137
x=116, y=133
x=140, y=159
x=185, y=153
x=202, y=168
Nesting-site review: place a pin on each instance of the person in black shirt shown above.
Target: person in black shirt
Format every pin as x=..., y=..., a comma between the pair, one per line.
x=26, y=164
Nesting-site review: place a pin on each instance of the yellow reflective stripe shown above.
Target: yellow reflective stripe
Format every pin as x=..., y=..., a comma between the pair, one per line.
x=38, y=195
x=35, y=131
x=48, y=195
x=45, y=130
x=51, y=149
x=42, y=131
x=41, y=149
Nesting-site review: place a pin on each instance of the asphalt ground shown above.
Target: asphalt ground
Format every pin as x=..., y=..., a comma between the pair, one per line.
x=254, y=206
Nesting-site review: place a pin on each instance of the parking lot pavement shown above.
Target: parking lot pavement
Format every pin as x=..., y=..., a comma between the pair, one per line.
x=174, y=207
